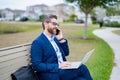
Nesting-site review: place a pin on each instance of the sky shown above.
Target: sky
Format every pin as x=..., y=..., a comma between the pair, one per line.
x=22, y=4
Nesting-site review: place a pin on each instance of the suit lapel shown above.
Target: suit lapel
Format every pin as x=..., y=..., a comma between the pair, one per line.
x=48, y=43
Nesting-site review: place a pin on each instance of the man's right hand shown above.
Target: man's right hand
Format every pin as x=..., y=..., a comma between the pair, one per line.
x=64, y=64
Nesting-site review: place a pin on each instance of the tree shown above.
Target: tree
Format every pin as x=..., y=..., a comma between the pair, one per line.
x=41, y=17
x=93, y=16
x=88, y=5
x=111, y=11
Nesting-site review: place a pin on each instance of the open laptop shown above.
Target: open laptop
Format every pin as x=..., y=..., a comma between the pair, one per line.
x=75, y=65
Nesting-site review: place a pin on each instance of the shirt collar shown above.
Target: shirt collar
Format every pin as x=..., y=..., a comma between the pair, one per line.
x=49, y=38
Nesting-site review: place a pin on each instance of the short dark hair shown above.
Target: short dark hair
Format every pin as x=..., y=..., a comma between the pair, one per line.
x=53, y=16
x=47, y=19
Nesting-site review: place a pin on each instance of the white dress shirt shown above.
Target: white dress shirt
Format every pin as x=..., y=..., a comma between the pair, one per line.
x=56, y=48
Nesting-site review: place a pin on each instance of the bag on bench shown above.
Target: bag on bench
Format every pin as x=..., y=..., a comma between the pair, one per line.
x=24, y=73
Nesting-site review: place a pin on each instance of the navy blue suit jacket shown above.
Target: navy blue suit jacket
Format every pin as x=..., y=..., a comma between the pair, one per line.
x=44, y=58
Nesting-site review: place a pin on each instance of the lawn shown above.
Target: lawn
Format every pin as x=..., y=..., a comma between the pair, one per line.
x=101, y=62
x=116, y=32
x=12, y=27
x=21, y=32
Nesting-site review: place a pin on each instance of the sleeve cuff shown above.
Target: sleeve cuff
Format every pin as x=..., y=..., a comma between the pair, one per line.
x=62, y=41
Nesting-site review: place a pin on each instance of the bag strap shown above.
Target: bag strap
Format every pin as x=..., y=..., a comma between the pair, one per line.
x=35, y=72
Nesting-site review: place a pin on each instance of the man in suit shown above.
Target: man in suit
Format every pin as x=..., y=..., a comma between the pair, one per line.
x=48, y=53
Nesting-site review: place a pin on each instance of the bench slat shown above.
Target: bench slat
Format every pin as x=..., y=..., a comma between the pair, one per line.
x=14, y=61
x=15, y=50
x=13, y=47
x=12, y=67
x=13, y=56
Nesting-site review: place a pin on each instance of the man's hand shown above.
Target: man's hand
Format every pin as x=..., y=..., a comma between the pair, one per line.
x=64, y=64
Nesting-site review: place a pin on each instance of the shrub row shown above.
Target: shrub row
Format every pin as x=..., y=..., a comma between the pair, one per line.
x=112, y=25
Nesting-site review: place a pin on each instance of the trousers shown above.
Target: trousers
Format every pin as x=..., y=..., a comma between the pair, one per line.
x=81, y=73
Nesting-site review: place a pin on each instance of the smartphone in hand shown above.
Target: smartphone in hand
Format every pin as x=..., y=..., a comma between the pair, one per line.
x=57, y=31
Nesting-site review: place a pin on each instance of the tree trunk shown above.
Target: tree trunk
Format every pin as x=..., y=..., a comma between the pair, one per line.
x=85, y=27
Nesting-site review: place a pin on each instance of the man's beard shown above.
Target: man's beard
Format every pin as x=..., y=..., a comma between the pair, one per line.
x=52, y=31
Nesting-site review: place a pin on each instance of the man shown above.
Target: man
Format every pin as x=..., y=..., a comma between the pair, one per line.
x=101, y=24
x=48, y=53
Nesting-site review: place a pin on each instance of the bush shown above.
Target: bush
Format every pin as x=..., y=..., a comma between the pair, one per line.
x=41, y=17
x=94, y=22
x=112, y=25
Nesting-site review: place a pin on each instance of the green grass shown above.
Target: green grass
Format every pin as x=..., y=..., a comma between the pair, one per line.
x=6, y=28
x=100, y=63
x=116, y=32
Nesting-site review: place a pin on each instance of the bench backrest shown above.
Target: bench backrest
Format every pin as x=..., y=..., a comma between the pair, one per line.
x=12, y=58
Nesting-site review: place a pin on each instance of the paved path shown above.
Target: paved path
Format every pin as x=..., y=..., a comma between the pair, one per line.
x=114, y=41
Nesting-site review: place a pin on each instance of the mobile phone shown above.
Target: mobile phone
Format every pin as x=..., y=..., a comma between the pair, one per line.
x=57, y=31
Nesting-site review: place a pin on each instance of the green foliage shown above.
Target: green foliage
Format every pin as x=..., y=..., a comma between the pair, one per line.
x=42, y=17
x=112, y=11
x=72, y=17
x=94, y=20
x=87, y=5
x=112, y=25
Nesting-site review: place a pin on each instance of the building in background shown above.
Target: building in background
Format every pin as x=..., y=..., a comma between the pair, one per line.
x=63, y=11
x=18, y=14
x=6, y=14
x=10, y=15
x=33, y=12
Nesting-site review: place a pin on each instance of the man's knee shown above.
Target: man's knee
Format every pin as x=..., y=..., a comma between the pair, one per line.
x=83, y=68
x=84, y=72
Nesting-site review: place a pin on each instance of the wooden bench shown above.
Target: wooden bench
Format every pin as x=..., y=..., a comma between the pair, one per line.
x=12, y=58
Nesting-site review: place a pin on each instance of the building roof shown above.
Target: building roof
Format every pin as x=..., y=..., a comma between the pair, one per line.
x=8, y=9
x=40, y=5
x=18, y=11
x=62, y=4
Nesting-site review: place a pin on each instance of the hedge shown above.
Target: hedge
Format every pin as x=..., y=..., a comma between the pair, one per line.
x=112, y=25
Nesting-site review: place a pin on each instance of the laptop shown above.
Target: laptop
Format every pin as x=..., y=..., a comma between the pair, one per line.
x=75, y=65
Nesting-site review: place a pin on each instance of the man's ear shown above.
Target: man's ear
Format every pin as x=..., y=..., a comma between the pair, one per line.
x=45, y=24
